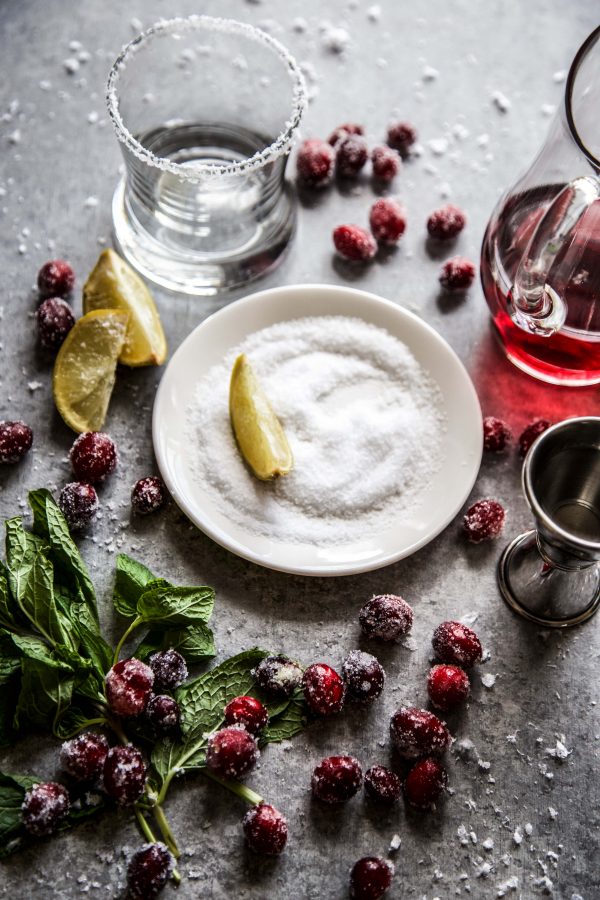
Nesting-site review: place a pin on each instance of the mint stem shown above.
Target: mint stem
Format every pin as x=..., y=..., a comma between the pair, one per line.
x=144, y=826
x=136, y=622
x=165, y=830
x=235, y=787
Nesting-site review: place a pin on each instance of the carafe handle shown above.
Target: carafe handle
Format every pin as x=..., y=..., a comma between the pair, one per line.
x=535, y=305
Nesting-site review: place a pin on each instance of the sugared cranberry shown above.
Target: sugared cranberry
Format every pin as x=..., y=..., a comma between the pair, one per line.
x=457, y=644
x=163, y=713
x=54, y=321
x=425, y=783
x=352, y=154
x=386, y=617
x=128, y=687
x=364, y=676
x=496, y=434
x=446, y=223
x=382, y=785
x=44, y=807
x=148, y=495
x=448, y=686
x=315, y=163
x=353, y=242
x=457, y=274
x=56, y=278
x=387, y=221
x=386, y=163
x=483, y=521
x=324, y=689
x=232, y=752
x=246, y=711
x=124, y=774
x=93, y=456
x=265, y=829
x=370, y=878
x=401, y=136
x=342, y=132
x=16, y=439
x=170, y=669
x=278, y=676
x=79, y=504
x=530, y=433
x=148, y=871
x=417, y=732
x=336, y=779
x=83, y=756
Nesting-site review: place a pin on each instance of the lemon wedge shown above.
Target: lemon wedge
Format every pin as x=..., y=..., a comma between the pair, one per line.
x=84, y=371
x=260, y=436
x=112, y=284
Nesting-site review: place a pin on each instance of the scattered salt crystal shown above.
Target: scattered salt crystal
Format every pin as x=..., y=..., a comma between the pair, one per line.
x=501, y=101
x=483, y=764
x=429, y=73
x=299, y=25
x=335, y=38
x=529, y=829
x=75, y=45
x=473, y=837
x=482, y=140
x=545, y=883
x=91, y=202
x=548, y=109
x=484, y=870
x=510, y=885
x=512, y=738
x=395, y=843
x=553, y=813
x=374, y=13
x=93, y=117
x=462, y=834
x=312, y=79
x=136, y=24
x=409, y=643
x=460, y=132
x=559, y=76
x=488, y=844
x=553, y=857
x=381, y=62
x=84, y=56
x=438, y=146
x=34, y=385
x=14, y=137
x=518, y=836
x=445, y=190
x=22, y=248
x=45, y=85
x=560, y=751
x=488, y=680
x=71, y=65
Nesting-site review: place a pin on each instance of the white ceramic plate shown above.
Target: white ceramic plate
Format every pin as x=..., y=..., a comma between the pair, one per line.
x=207, y=345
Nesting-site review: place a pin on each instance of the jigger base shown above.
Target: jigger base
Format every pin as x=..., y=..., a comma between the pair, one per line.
x=525, y=545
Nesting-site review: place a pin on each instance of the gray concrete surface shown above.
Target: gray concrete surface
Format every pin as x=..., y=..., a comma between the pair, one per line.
x=53, y=158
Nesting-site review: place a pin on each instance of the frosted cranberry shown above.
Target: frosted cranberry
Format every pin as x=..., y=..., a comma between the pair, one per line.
x=457, y=274
x=425, y=783
x=79, y=504
x=386, y=617
x=315, y=163
x=232, y=752
x=170, y=669
x=128, y=687
x=278, y=676
x=163, y=713
x=54, y=321
x=336, y=779
x=364, y=676
x=148, y=871
x=456, y=643
x=44, y=807
x=124, y=774
x=324, y=689
x=386, y=163
x=446, y=223
x=352, y=154
x=417, y=732
x=354, y=243
x=496, y=434
x=83, y=756
x=56, y=278
x=148, y=495
x=265, y=829
x=448, y=686
x=246, y=711
x=342, y=132
x=382, y=785
x=484, y=521
x=16, y=439
x=401, y=136
x=93, y=456
x=530, y=433
x=370, y=878
x=387, y=221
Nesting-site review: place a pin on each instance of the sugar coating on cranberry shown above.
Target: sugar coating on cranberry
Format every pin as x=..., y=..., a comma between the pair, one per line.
x=232, y=752
x=364, y=676
x=352, y=154
x=324, y=689
x=386, y=163
x=83, y=757
x=496, y=435
x=315, y=163
x=246, y=711
x=55, y=319
x=169, y=668
x=457, y=274
x=163, y=713
x=484, y=520
x=128, y=687
x=265, y=829
x=124, y=774
x=16, y=439
x=382, y=785
x=448, y=686
x=370, y=878
x=93, y=456
x=417, y=732
x=401, y=136
x=148, y=871
x=278, y=676
x=148, y=495
x=530, y=433
x=56, y=278
x=79, y=504
x=446, y=223
x=386, y=617
x=353, y=242
x=44, y=807
x=387, y=221
x=425, y=783
x=336, y=779
x=342, y=132
x=457, y=644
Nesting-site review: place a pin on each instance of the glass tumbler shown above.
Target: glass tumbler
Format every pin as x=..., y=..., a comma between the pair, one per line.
x=206, y=110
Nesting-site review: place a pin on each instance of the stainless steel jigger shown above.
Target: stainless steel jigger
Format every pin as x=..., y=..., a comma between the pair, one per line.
x=551, y=575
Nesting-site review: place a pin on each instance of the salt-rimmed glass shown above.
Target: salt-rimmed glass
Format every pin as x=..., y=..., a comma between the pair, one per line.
x=206, y=110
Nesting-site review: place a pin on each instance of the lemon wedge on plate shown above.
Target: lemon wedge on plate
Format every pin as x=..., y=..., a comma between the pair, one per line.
x=84, y=371
x=112, y=284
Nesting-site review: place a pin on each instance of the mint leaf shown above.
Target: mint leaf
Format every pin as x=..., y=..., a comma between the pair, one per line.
x=176, y=605
x=195, y=643
x=291, y=721
x=10, y=662
x=130, y=582
x=10, y=677
x=46, y=690
x=8, y=608
x=31, y=646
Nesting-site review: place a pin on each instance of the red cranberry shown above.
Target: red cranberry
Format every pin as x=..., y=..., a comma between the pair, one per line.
x=364, y=676
x=386, y=617
x=278, y=676
x=401, y=136
x=457, y=274
x=324, y=690
x=530, y=433
x=148, y=871
x=425, y=783
x=163, y=713
x=370, y=878
x=354, y=243
x=448, y=686
x=246, y=711
x=386, y=163
x=54, y=320
x=382, y=785
x=148, y=495
x=83, y=756
x=44, y=807
x=387, y=221
x=16, y=439
x=56, y=278
x=128, y=687
x=417, y=732
x=342, y=132
x=170, y=669
x=484, y=521
x=446, y=223
x=265, y=829
x=315, y=163
x=93, y=456
x=352, y=154
x=336, y=779
x=124, y=774
x=456, y=643
x=79, y=504
x=496, y=434
x=232, y=752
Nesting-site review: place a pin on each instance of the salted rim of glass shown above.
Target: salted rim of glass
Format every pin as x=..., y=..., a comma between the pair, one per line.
x=279, y=146
x=570, y=87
